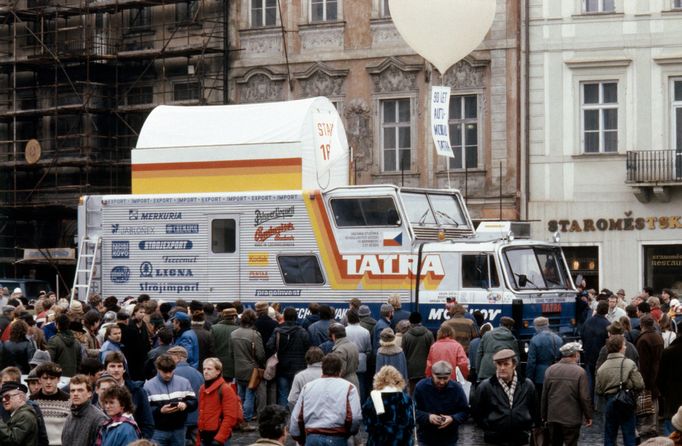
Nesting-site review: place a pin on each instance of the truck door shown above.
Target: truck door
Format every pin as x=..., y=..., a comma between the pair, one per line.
x=223, y=256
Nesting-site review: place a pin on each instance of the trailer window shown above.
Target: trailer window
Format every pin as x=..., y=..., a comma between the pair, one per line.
x=365, y=212
x=479, y=271
x=300, y=270
x=223, y=236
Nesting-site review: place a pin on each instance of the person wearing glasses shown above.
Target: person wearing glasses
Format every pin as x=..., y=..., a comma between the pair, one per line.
x=22, y=427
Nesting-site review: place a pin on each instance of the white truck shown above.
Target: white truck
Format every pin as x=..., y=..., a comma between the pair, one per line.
x=319, y=244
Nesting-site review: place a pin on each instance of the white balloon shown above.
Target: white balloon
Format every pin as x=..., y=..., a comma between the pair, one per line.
x=443, y=31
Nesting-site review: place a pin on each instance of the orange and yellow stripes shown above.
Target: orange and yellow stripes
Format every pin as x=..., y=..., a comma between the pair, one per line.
x=334, y=264
x=217, y=176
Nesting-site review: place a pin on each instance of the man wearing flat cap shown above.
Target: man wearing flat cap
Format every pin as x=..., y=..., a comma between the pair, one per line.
x=441, y=406
x=22, y=427
x=505, y=405
x=566, y=401
x=222, y=341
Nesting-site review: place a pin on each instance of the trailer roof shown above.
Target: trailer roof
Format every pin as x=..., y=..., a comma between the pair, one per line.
x=272, y=122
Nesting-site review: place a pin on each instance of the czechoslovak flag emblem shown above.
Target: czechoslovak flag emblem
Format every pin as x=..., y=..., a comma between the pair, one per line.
x=393, y=238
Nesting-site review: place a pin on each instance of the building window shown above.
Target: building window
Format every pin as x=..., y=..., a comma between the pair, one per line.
x=583, y=262
x=323, y=10
x=386, y=12
x=677, y=4
x=464, y=131
x=186, y=91
x=263, y=13
x=600, y=5
x=662, y=264
x=140, y=19
x=186, y=12
x=677, y=125
x=600, y=117
x=396, y=134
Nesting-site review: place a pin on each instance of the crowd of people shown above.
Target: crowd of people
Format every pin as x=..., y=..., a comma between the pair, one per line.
x=112, y=373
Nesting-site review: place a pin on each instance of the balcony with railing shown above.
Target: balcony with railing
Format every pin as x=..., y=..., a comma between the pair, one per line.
x=653, y=172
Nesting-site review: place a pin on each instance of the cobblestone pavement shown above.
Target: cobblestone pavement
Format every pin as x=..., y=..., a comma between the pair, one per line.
x=469, y=435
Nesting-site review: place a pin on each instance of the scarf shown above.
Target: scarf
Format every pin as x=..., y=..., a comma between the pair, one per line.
x=510, y=388
x=378, y=401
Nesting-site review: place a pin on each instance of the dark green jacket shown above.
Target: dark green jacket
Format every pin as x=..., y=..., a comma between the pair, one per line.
x=21, y=429
x=222, y=345
x=65, y=351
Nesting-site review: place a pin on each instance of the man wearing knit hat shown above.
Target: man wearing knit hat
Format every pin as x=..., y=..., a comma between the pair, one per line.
x=566, y=401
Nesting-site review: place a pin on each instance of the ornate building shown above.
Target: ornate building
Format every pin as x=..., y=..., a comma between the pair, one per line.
x=351, y=52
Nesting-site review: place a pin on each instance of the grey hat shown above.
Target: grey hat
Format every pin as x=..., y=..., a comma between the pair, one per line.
x=541, y=321
x=32, y=376
x=40, y=357
x=571, y=348
x=387, y=336
x=109, y=316
x=8, y=309
x=364, y=311
x=504, y=354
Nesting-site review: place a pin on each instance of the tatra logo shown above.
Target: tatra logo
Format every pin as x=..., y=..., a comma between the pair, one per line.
x=263, y=234
x=262, y=216
x=393, y=265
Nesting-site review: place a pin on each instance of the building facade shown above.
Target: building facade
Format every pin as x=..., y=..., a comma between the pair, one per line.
x=351, y=52
x=605, y=138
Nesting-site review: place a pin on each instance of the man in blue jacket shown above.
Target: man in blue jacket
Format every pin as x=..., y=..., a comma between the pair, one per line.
x=186, y=337
x=171, y=398
x=441, y=407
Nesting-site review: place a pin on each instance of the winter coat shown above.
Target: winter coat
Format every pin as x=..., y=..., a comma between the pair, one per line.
x=376, y=334
x=630, y=353
x=161, y=392
x=204, y=342
x=399, y=315
x=196, y=380
x=82, y=425
x=222, y=345
x=395, y=425
x=118, y=431
x=615, y=369
x=416, y=344
x=543, y=351
x=18, y=354
x=143, y=412
x=594, y=337
x=449, y=350
x=348, y=352
x=136, y=345
x=310, y=320
x=65, y=351
x=566, y=395
x=219, y=411
x=265, y=325
x=650, y=348
x=108, y=347
x=319, y=332
x=491, y=343
x=248, y=351
x=501, y=423
x=368, y=323
x=449, y=401
x=391, y=354
x=361, y=337
x=21, y=429
x=188, y=339
x=293, y=345
x=670, y=378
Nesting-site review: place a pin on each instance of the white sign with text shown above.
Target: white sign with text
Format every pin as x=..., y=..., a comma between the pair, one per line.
x=440, y=103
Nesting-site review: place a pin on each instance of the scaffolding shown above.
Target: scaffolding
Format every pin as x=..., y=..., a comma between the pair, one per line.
x=77, y=80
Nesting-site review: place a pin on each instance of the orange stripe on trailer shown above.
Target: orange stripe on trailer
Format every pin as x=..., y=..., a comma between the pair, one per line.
x=190, y=165
x=220, y=171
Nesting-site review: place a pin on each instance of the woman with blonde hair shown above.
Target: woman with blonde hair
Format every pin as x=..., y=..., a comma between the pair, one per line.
x=388, y=413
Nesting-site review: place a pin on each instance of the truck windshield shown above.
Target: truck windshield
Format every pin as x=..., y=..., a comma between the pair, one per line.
x=432, y=209
x=536, y=268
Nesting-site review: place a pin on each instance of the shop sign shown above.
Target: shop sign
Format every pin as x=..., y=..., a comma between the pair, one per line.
x=627, y=223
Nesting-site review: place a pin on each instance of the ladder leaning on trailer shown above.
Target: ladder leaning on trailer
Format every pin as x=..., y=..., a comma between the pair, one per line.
x=85, y=267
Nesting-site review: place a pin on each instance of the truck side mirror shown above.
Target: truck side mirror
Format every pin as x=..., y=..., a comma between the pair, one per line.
x=523, y=280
